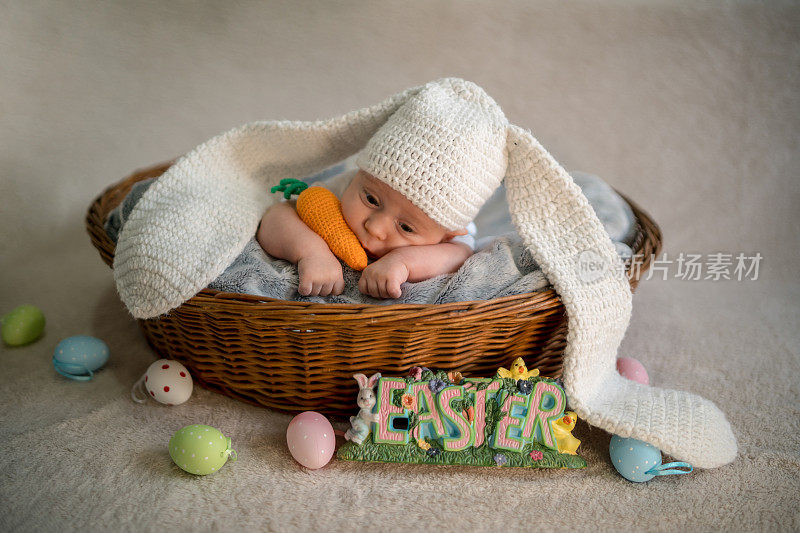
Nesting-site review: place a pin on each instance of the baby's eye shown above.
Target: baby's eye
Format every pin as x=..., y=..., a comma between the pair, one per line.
x=406, y=228
x=371, y=199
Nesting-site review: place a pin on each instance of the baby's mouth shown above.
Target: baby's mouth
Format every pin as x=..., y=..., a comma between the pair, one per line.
x=371, y=254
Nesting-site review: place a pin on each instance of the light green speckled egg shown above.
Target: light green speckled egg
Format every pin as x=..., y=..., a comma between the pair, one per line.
x=22, y=325
x=200, y=449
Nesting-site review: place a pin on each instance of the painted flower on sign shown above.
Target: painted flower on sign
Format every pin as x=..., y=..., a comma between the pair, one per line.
x=415, y=372
x=408, y=401
x=436, y=385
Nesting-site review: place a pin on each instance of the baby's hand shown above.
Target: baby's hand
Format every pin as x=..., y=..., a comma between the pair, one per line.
x=320, y=275
x=382, y=279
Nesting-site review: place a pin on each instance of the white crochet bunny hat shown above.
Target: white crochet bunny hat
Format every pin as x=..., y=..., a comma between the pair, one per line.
x=444, y=149
x=446, y=146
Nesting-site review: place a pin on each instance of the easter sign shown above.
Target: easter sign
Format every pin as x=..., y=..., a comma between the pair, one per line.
x=515, y=418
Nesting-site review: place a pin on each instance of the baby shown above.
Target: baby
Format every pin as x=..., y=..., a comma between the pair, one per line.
x=405, y=243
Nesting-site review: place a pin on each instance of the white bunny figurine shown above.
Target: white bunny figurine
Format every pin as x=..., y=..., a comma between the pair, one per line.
x=366, y=400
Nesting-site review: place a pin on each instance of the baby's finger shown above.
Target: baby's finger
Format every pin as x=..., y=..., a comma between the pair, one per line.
x=326, y=289
x=393, y=289
x=384, y=286
x=315, y=289
x=362, y=285
x=304, y=287
x=365, y=285
x=385, y=289
x=373, y=289
x=338, y=287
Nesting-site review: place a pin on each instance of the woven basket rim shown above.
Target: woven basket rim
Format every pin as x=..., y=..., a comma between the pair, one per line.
x=112, y=195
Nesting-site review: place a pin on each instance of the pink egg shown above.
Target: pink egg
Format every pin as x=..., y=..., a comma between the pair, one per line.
x=310, y=439
x=633, y=370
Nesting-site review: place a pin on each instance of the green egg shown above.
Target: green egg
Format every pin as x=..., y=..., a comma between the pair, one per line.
x=22, y=325
x=200, y=449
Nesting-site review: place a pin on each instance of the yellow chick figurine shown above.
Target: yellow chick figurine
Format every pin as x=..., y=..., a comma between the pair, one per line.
x=518, y=370
x=562, y=428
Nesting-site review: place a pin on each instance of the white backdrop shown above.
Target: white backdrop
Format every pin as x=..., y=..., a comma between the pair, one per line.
x=692, y=111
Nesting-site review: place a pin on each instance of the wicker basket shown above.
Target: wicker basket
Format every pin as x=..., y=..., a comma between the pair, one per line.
x=298, y=356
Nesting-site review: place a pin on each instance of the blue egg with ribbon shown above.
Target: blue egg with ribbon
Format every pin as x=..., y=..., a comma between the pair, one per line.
x=79, y=357
x=639, y=461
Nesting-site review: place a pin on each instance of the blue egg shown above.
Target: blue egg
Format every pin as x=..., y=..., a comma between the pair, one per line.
x=633, y=458
x=79, y=356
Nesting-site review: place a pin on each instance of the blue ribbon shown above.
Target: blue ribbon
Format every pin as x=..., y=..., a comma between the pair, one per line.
x=669, y=468
x=63, y=369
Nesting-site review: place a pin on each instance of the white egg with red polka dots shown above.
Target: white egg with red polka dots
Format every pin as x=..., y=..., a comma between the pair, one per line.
x=168, y=382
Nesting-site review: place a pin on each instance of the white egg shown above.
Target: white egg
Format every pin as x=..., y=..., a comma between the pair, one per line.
x=168, y=382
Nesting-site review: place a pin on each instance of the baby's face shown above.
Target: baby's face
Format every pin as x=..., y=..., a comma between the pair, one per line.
x=383, y=219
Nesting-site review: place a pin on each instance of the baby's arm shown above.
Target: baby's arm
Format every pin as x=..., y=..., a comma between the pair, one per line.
x=382, y=279
x=283, y=235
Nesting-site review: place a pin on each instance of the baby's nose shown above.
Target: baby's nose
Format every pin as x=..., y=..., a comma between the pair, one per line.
x=377, y=226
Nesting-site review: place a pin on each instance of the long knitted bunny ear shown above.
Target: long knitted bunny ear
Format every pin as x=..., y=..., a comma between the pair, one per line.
x=564, y=235
x=193, y=222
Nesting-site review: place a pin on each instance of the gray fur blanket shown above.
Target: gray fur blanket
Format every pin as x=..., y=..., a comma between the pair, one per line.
x=500, y=267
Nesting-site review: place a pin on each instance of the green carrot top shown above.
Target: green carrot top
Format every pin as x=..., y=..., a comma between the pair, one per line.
x=290, y=186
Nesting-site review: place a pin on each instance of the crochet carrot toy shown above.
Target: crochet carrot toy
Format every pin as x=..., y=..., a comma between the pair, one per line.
x=321, y=210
